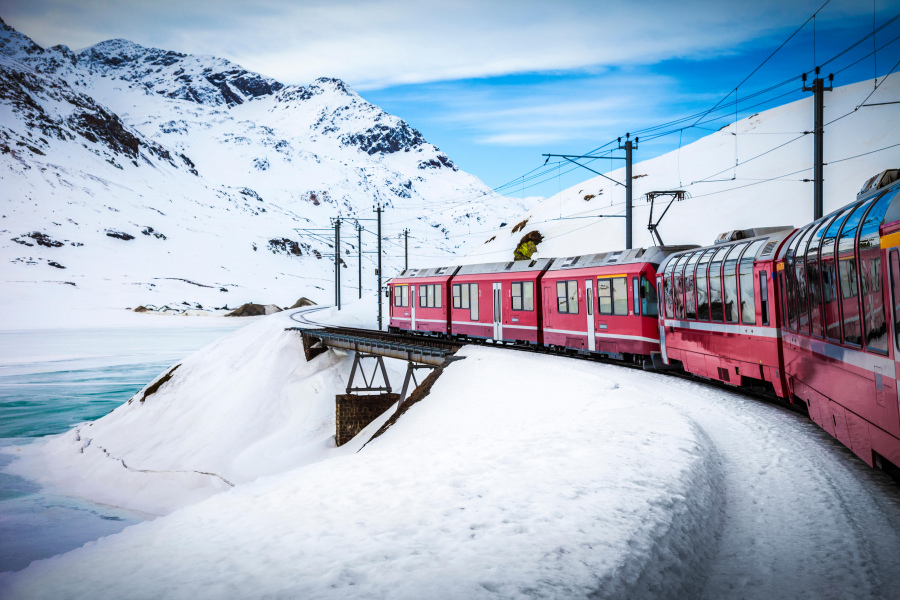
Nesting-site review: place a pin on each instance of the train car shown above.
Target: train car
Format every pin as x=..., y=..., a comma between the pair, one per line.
x=498, y=301
x=420, y=300
x=604, y=303
x=717, y=314
x=839, y=287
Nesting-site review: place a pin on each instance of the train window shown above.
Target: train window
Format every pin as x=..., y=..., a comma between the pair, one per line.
x=748, y=298
x=620, y=296
x=690, y=299
x=523, y=295
x=814, y=279
x=401, y=295
x=472, y=301
x=895, y=296
x=678, y=287
x=848, y=273
x=430, y=296
x=457, y=295
x=567, y=297
x=423, y=296
x=715, y=285
x=874, y=323
x=701, y=287
x=790, y=280
x=636, y=295
x=437, y=296
x=730, y=283
x=648, y=298
x=763, y=297
x=668, y=296
x=828, y=276
x=801, y=280
x=783, y=294
x=464, y=296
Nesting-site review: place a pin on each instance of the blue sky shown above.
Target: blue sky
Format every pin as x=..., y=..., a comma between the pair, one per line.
x=496, y=84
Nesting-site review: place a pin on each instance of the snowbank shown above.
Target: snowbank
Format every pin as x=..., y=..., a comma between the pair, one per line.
x=245, y=406
x=518, y=476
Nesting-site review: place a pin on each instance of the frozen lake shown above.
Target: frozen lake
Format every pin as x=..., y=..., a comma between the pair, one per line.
x=53, y=379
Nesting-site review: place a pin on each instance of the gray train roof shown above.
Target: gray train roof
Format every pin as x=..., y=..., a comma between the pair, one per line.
x=653, y=255
x=514, y=266
x=774, y=235
x=432, y=272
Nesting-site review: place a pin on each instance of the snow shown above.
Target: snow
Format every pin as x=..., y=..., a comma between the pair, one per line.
x=722, y=204
x=247, y=405
x=271, y=170
x=527, y=476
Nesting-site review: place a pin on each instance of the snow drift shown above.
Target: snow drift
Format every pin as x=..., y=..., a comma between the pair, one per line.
x=518, y=476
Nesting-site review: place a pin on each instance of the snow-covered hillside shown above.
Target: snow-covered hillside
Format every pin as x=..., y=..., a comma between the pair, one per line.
x=725, y=198
x=136, y=176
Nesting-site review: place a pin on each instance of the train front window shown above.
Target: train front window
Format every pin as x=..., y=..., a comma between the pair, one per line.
x=648, y=298
x=874, y=323
x=748, y=298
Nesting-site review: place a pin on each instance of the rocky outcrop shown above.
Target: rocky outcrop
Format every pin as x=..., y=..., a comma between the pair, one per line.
x=303, y=302
x=254, y=310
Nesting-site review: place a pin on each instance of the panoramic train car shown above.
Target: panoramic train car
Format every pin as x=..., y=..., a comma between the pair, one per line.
x=604, y=303
x=498, y=301
x=420, y=299
x=716, y=313
x=839, y=283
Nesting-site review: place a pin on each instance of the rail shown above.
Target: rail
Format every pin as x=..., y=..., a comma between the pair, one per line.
x=416, y=349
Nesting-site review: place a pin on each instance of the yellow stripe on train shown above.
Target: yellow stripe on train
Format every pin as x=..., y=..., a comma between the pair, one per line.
x=891, y=240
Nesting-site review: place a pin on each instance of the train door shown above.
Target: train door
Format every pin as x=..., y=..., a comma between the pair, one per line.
x=498, y=311
x=589, y=302
x=413, y=300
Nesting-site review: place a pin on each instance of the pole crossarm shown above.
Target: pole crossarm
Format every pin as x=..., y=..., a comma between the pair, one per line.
x=593, y=171
x=585, y=156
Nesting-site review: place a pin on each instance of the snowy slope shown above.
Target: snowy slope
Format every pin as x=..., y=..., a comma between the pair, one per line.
x=142, y=176
x=519, y=476
x=733, y=198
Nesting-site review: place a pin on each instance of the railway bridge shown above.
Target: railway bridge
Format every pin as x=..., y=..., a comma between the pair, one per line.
x=366, y=397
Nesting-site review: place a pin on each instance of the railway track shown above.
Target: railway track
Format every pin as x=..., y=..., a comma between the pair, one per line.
x=413, y=339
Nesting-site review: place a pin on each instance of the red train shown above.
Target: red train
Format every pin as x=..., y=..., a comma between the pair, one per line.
x=603, y=304
x=811, y=315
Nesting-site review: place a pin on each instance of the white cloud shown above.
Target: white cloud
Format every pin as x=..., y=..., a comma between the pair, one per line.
x=378, y=44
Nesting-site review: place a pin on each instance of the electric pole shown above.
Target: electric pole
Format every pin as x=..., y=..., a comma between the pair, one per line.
x=359, y=230
x=628, y=147
x=818, y=89
x=337, y=263
x=378, y=210
x=405, y=249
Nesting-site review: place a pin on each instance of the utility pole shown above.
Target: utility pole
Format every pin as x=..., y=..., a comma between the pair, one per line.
x=628, y=147
x=378, y=210
x=359, y=230
x=818, y=89
x=405, y=249
x=337, y=263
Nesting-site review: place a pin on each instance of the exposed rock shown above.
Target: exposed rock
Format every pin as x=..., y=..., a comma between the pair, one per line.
x=142, y=309
x=439, y=161
x=119, y=235
x=284, y=245
x=41, y=239
x=154, y=233
x=519, y=226
x=528, y=245
x=303, y=302
x=384, y=139
x=254, y=310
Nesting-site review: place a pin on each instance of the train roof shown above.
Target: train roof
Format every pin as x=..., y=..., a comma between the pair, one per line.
x=885, y=182
x=653, y=255
x=514, y=266
x=774, y=235
x=431, y=272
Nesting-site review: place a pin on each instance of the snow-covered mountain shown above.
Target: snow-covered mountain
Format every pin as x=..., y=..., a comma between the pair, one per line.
x=135, y=175
x=769, y=187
